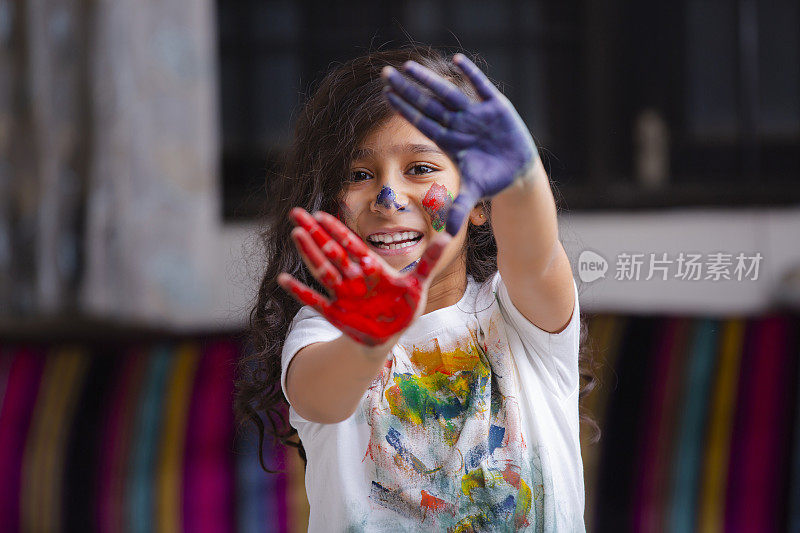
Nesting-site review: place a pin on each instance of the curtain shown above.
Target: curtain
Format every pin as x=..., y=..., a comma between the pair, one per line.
x=108, y=159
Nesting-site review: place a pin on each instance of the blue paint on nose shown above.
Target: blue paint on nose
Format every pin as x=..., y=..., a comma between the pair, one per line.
x=387, y=198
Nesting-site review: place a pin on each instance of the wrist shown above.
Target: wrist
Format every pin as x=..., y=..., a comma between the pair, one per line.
x=377, y=352
x=532, y=170
x=527, y=178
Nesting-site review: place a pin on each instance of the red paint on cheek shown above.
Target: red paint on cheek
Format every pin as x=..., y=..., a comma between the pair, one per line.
x=437, y=202
x=434, y=198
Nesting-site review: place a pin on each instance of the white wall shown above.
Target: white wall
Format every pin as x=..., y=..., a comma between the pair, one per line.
x=772, y=232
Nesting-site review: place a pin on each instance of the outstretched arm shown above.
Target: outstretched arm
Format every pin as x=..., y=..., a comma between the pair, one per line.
x=497, y=159
x=530, y=256
x=368, y=301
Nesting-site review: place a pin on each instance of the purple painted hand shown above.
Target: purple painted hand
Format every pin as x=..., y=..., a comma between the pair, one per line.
x=487, y=140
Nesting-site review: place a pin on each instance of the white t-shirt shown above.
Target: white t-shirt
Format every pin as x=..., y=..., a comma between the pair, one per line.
x=472, y=421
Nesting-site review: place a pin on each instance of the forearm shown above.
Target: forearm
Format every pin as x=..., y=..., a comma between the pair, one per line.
x=325, y=381
x=525, y=225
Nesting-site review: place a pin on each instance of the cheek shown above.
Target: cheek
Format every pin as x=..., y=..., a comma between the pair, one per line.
x=437, y=202
x=345, y=214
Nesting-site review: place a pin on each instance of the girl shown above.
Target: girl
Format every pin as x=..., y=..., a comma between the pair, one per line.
x=432, y=375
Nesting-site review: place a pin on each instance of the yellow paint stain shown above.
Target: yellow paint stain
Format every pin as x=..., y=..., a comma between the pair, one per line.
x=471, y=481
x=448, y=363
x=470, y=524
x=442, y=389
x=523, y=504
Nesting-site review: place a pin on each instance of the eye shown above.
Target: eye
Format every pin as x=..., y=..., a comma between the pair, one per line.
x=358, y=176
x=422, y=169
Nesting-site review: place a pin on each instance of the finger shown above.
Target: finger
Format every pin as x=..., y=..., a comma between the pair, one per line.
x=302, y=218
x=303, y=293
x=482, y=84
x=460, y=209
x=349, y=240
x=449, y=93
x=430, y=257
x=430, y=128
x=412, y=94
x=332, y=249
x=353, y=244
x=322, y=240
x=321, y=268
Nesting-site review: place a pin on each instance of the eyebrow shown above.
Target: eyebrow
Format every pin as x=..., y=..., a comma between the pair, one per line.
x=364, y=153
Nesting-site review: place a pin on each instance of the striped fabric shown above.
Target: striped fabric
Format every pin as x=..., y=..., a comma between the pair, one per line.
x=135, y=438
x=701, y=426
x=700, y=421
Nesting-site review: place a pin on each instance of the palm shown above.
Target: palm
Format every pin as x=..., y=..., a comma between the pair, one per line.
x=488, y=140
x=369, y=300
x=375, y=310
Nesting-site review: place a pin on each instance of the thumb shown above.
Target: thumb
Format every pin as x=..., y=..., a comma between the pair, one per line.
x=430, y=257
x=460, y=209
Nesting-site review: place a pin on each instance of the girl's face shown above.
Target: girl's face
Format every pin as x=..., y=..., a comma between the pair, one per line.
x=399, y=189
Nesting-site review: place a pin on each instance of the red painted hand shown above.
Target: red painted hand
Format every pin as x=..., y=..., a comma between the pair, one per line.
x=370, y=301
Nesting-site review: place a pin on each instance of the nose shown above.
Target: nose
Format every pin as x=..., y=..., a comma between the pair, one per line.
x=386, y=201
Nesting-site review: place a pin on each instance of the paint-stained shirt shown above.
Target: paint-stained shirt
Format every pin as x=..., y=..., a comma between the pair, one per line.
x=471, y=425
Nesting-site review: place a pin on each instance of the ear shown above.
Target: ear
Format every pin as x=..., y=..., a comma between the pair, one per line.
x=477, y=216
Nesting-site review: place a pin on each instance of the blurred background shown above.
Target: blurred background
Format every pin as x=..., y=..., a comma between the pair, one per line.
x=135, y=141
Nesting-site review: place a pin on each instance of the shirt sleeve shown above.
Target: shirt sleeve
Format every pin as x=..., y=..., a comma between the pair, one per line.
x=308, y=327
x=557, y=352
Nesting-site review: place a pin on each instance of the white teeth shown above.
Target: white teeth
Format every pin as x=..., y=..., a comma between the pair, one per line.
x=395, y=237
x=387, y=246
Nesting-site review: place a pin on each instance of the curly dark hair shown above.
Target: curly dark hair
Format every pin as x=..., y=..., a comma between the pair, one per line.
x=346, y=106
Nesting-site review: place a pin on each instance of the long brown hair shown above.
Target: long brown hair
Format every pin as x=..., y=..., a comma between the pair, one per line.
x=344, y=108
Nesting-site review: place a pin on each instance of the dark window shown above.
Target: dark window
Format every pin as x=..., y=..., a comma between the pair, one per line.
x=720, y=78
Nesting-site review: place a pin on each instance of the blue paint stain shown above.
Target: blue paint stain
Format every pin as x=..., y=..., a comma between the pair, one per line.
x=496, y=434
x=449, y=410
x=387, y=198
x=379, y=490
x=388, y=498
x=410, y=267
x=393, y=438
x=509, y=504
x=474, y=457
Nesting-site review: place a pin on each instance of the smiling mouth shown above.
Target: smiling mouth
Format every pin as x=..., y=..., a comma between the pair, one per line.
x=394, y=242
x=396, y=245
